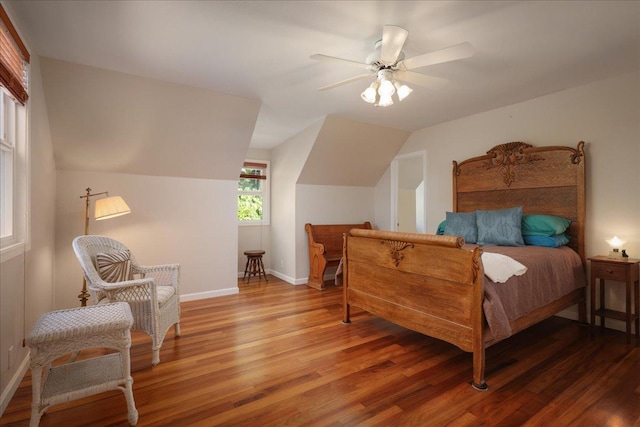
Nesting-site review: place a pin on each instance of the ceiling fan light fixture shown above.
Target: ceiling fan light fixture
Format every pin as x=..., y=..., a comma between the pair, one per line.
x=386, y=88
x=388, y=60
x=402, y=90
x=369, y=94
x=385, y=101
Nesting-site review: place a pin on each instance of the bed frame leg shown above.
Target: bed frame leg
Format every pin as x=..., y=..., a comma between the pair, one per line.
x=481, y=387
x=478, y=370
x=347, y=315
x=582, y=309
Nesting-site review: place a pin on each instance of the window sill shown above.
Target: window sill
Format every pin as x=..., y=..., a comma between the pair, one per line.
x=11, y=251
x=254, y=223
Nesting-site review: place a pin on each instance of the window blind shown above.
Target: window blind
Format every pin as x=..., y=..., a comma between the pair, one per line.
x=14, y=58
x=249, y=165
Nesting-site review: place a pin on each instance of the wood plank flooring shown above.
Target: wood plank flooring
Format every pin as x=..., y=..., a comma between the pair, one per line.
x=277, y=354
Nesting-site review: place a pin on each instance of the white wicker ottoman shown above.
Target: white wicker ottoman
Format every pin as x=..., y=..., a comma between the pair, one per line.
x=67, y=331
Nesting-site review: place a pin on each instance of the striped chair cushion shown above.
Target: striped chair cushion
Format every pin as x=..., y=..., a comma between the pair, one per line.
x=114, y=266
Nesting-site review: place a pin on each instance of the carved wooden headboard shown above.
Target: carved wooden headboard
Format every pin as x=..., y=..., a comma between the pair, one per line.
x=543, y=180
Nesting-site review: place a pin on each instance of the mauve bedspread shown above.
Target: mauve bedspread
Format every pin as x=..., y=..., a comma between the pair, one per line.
x=551, y=274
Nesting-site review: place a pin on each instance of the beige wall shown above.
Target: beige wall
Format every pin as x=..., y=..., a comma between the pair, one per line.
x=188, y=221
x=105, y=121
x=26, y=281
x=328, y=204
x=39, y=263
x=325, y=174
x=350, y=153
x=604, y=114
x=287, y=161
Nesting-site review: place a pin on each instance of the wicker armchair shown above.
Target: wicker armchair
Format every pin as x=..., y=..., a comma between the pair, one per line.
x=153, y=294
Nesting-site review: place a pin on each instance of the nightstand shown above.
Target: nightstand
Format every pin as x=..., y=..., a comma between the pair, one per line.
x=622, y=270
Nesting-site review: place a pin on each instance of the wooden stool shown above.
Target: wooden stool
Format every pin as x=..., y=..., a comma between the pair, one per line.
x=62, y=332
x=254, y=265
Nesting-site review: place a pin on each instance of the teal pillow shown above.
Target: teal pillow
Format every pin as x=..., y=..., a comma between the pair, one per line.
x=544, y=225
x=500, y=227
x=462, y=224
x=554, y=241
x=441, y=226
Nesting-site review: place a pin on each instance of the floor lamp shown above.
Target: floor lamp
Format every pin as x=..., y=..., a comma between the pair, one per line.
x=108, y=207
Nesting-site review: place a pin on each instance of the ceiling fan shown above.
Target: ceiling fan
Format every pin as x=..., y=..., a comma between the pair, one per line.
x=388, y=64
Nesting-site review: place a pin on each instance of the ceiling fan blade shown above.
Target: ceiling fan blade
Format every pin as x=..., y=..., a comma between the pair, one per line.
x=393, y=39
x=459, y=51
x=326, y=58
x=419, y=79
x=344, y=82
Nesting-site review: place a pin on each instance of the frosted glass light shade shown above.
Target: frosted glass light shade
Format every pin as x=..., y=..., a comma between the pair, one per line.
x=369, y=94
x=111, y=207
x=385, y=101
x=402, y=90
x=615, y=242
x=386, y=89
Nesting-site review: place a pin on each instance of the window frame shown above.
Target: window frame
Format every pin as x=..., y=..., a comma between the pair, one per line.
x=265, y=192
x=16, y=139
x=7, y=168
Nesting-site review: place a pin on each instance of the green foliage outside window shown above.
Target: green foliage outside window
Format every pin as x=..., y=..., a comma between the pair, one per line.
x=248, y=184
x=250, y=197
x=249, y=208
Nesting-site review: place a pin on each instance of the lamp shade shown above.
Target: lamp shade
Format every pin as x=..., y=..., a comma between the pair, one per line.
x=615, y=242
x=386, y=88
x=369, y=94
x=111, y=207
x=402, y=90
x=385, y=101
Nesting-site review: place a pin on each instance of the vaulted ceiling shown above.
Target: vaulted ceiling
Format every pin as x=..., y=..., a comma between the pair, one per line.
x=260, y=50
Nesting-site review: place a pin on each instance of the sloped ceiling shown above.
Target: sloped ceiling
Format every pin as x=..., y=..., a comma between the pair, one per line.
x=260, y=49
x=106, y=121
x=351, y=153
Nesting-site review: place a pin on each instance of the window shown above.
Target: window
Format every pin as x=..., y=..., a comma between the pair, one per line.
x=14, y=60
x=7, y=155
x=253, y=193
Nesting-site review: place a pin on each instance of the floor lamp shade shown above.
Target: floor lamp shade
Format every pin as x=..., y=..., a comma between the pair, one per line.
x=110, y=207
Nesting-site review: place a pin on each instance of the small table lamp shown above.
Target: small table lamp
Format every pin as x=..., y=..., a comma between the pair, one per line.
x=616, y=244
x=108, y=207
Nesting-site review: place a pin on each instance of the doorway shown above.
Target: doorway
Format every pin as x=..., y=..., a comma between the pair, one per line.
x=408, y=201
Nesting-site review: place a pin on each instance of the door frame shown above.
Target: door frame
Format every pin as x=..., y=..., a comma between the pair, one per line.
x=395, y=184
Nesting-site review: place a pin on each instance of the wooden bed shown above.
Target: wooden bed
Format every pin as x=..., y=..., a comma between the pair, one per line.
x=431, y=284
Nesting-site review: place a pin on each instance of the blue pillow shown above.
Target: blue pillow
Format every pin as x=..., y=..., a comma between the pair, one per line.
x=441, y=226
x=554, y=241
x=462, y=224
x=500, y=227
x=543, y=225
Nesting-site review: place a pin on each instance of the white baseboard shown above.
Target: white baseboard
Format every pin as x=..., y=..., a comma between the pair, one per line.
x=208, y=294
x=13, y=384
x=241, y=273
x=280, y=276
x=289, y=279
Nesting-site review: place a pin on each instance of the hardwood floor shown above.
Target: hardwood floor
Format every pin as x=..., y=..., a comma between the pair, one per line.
x=277, y=354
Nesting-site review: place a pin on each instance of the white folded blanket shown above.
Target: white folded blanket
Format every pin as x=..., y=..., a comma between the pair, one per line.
x=500, y=268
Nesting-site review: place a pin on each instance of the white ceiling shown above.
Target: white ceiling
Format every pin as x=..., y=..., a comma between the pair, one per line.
x=260, y=49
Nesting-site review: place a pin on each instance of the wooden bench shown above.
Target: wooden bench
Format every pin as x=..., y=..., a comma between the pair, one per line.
x=325, y=248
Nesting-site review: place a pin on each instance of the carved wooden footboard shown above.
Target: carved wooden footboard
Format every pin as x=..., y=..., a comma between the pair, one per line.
x=423, y=282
